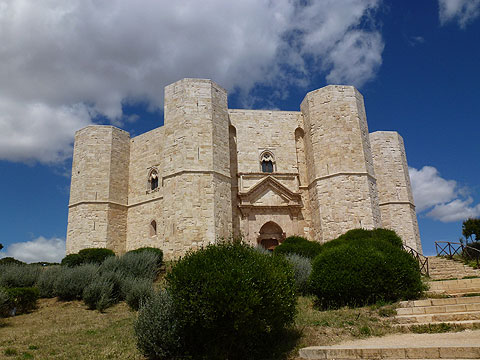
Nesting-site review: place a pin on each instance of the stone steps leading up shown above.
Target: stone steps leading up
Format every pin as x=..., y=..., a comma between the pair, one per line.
x=456, y=325
x=391, y=352
x=455, y=287
x=443, y=268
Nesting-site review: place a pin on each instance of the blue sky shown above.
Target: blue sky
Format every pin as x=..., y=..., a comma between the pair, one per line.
x=69, y=63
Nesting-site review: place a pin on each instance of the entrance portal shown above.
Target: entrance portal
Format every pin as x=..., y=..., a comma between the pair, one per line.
x=271, y=235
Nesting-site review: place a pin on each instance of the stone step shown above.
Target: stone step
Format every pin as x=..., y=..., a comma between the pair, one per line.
x=455, y=292
x=455, y=286
x=438, y=317
x=391, y=352
x=436, y=302
x=438, y=309
x=464, y=324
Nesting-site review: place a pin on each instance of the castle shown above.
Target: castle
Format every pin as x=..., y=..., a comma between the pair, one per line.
x=211, y=172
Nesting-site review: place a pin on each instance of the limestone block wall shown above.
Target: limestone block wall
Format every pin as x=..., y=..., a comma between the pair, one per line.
x=339, y=162
x=196, y=165
x=145, y=205
x=99, y=189
x=274, y=131
x=394, y=188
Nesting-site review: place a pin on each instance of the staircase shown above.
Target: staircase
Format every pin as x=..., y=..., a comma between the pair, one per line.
x=443, y=268
x=454, y=303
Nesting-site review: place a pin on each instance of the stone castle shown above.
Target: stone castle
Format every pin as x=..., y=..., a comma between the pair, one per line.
x=211, y=172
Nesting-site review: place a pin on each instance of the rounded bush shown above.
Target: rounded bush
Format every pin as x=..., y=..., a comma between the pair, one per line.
x=157, y=330
x=136, y=264
x=70, y=282
x=100, y=293
x=87, y=256
x=21, y=300
x=300, y=246
x=356, y=270
x=136, y=292
x=153, y=250
x=72, y=260
x=10, y=260
x=230, y=300
x=302, y=267
x=46, y=281
x=14, y=275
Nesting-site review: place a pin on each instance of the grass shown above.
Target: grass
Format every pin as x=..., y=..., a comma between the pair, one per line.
x=333, y=326
x=68, y=330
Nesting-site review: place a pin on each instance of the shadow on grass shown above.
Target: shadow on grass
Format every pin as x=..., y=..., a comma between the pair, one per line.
x=282, y=346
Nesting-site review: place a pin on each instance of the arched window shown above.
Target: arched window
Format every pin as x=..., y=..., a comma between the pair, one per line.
x=267, y=162
x=153, y=179
x=153, y=228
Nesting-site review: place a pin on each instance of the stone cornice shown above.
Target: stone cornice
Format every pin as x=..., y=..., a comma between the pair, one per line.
x=357, y=173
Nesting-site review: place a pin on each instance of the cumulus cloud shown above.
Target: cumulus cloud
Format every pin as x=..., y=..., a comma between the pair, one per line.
x=37, y=250
x=64, y=62
x=456, y=210
x=461, y=11
x=443, y=198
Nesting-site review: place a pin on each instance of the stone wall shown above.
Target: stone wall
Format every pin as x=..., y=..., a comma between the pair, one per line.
x=328, y=178
x=98, y=196
x=145, y=205
x=394, y=188
x=196, y=170
x=339, y=163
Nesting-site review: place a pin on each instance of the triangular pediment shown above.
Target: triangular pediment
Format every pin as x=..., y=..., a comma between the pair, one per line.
x=270, y=192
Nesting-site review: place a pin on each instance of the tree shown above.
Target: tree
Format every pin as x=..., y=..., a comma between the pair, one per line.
x=471, y=227
x=1, y=246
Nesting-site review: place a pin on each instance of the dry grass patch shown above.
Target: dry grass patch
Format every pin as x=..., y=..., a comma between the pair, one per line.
x=67, y=330
x=333, y=326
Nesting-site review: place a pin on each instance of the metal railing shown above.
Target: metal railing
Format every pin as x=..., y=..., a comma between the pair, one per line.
x=449, y=249
x=422, y=260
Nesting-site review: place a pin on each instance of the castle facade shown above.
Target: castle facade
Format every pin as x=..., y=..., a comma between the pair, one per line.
x=211, y=172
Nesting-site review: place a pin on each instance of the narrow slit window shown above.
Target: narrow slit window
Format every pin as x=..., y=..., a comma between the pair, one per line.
x=153, y=228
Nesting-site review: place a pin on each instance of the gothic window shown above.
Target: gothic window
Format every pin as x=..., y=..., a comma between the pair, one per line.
x=153, y=180
x=153, y=228
x=267, y=162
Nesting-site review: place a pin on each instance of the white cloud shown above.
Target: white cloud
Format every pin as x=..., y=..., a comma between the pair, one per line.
x=462, y=11
x=445, y=200
x=456, y=210
x=429, y=188
x=37, y=250
x=65, y=61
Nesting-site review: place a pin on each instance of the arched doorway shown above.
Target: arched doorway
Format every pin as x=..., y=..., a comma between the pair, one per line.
x=271, y=235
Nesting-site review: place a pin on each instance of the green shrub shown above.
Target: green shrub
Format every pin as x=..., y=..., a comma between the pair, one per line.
x=22, y=300
x=156, y=251
x=95, y=255
x=71, y=281
x=300, y=246
x=136, y=264
x=231, y=301
x=72, y=260
x=87, y=256
x=100, y=293
x=388, y=235
x=302, y=267
x=136, y=292
x=13, y=275
x=10, y=260
x=360, y=268
x=469, y=253
x=46, y=281
x=4, y=302
x=157, y=330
